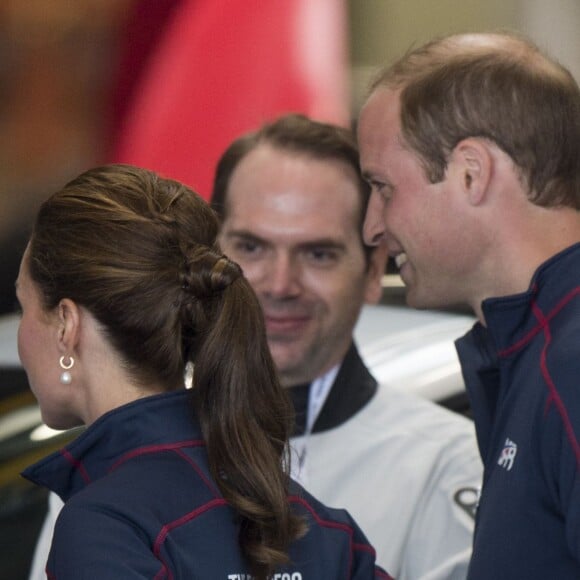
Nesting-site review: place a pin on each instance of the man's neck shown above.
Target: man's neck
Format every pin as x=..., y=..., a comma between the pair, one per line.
x=545, y=233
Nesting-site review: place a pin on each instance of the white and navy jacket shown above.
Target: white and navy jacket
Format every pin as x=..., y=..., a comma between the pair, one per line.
x=407, y=470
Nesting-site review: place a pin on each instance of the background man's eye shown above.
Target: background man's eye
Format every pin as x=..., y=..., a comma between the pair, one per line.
x=248, y=247
x=322, y=255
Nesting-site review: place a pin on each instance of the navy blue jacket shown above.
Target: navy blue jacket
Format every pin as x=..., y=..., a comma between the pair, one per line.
x=523, y=377
x=141, y=503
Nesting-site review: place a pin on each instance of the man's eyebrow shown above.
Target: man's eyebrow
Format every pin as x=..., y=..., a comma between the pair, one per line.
x=371, y=178
x=367, y=175
x=328, y=243
x=241, y=233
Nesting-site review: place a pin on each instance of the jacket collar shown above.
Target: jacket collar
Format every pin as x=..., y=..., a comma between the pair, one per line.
x=511, y=318
x=148, y=424
x=352, y=389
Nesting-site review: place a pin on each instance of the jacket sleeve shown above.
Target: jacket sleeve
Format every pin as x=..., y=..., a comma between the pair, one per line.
x=440, y=538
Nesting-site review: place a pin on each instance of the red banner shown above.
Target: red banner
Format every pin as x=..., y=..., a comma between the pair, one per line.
x=222, y=67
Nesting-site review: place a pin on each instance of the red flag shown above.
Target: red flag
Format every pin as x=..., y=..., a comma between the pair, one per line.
x=223, y=67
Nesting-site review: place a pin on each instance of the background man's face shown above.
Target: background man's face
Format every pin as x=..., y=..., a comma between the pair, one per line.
x=292, y=225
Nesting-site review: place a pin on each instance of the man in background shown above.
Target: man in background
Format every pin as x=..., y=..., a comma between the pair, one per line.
x=471, y=145
x=292, y=205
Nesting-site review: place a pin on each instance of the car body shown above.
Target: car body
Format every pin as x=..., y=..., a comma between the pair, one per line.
x=414, y=350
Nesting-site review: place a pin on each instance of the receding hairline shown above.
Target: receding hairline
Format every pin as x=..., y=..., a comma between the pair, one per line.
x=301, y=155
x=292, y=151
x=509, y=46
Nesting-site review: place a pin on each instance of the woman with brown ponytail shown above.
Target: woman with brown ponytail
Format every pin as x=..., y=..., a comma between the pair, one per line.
x=124, y=293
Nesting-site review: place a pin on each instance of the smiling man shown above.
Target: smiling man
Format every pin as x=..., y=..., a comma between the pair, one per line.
x=292, y=205
x=470, y=144
x=303, y=255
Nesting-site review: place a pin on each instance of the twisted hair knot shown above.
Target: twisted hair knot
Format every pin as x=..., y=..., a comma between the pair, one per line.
x=207, y=272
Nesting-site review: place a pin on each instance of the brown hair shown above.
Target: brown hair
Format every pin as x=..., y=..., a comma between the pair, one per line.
x=139, y=253
x=499, y=87
x=296, y=134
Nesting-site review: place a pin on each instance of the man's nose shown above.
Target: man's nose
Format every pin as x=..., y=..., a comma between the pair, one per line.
x=283, y=280
x=374, y=226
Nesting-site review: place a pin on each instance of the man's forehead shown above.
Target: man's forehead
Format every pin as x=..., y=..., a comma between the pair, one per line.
x=290, y=186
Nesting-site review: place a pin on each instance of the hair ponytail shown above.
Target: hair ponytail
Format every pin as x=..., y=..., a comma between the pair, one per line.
x=244, y=412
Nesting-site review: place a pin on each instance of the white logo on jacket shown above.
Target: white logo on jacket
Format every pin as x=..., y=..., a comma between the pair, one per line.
x=508, y=454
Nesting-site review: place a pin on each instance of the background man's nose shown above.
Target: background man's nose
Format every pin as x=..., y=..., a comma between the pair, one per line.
x=284, y=278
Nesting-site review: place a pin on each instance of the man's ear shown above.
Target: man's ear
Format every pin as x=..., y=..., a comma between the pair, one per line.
x=374, y=275
x=69, y=325
x=474, y=165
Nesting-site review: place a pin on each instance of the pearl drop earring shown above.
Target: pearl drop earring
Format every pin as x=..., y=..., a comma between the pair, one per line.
x=66, y=377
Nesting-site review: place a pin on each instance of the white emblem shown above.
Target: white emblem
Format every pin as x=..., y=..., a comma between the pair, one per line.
x=508, y=455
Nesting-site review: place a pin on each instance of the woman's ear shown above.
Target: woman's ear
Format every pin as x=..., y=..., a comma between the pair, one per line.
x=474, y=163
x=69, y=323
